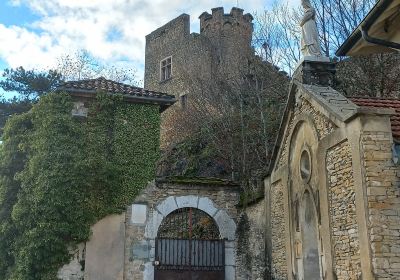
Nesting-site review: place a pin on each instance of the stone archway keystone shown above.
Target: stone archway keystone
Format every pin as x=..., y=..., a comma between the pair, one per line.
x=187, y=201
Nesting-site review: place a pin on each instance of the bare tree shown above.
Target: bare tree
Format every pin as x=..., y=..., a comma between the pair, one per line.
x=81, y=65
x=377, y=75
x=278, y=32
x=277, y=36
x=337, y=19
x=238, y=117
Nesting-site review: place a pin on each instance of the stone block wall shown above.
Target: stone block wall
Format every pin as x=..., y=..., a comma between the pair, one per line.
x=224, y=42
x=382, y=181
x=278, y=236
x=323, y=125
x=342, y=211
x=231, y=35
x=251, y=260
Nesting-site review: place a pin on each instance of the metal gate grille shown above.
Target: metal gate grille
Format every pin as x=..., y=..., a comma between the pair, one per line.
x=188, y=247
x=183, y=254
x=188, y=223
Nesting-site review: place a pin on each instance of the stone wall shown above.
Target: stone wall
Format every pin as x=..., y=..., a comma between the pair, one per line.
x=219, y=201
x=382, y=182
x=342, y=211
x=75, y=269
x=123, y=246
x=251, y=261
x=278, y=236
x=105, y=249
x=323, y=125
x=354, y=184
x=102, y=257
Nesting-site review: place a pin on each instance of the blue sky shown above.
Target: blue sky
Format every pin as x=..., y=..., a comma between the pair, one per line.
x=36, y=33
x=16, y=15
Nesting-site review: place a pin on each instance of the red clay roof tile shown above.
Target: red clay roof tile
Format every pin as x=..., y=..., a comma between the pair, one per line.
x=102, y=84
x=382, y=103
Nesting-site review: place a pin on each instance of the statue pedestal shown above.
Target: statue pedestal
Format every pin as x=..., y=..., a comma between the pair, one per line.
x=315, y=70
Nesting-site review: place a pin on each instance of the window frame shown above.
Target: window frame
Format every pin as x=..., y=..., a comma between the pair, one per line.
x=183, y=101
x=162, y=76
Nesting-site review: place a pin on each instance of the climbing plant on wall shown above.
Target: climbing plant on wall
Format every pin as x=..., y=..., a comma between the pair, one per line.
x=60, y=174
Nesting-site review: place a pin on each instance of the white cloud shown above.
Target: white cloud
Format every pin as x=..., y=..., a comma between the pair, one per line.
x=66, y=26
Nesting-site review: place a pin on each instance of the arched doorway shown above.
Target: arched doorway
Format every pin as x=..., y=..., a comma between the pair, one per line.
x=309, y=230
x=188, y=246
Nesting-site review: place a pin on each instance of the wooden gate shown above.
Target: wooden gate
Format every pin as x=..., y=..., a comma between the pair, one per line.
x=188, y=247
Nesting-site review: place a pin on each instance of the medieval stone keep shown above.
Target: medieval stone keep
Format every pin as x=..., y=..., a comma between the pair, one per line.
x=223, y=46
x=175, y=58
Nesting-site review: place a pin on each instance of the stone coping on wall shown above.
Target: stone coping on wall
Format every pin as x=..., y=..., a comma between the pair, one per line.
x=206, y=181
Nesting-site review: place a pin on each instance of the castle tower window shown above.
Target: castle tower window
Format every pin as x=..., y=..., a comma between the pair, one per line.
x=183, y=99
x=166, y=68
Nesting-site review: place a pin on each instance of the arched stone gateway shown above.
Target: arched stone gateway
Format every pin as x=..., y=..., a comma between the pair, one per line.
x=196, y=220
x=198, y=204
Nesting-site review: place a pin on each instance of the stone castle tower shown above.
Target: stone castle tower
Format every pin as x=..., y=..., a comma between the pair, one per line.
x=174, y=56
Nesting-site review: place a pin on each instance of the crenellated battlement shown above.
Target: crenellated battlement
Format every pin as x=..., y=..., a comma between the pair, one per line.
x=218, y=20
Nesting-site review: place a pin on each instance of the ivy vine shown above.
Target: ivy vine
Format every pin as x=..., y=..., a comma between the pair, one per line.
x=243, y=245
x=60, y=174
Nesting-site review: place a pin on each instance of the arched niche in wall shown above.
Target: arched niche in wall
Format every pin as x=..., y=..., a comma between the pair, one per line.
x=304, y=199
x=310, y=237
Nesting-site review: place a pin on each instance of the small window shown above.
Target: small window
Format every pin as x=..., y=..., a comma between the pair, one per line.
x=305, y=166
x=183, y=101
x=79, y=109
x=166, y=69
x=259, y=85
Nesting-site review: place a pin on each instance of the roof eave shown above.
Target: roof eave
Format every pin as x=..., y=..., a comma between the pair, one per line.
x=163, y=102
x=366, y=23
x=349, y=43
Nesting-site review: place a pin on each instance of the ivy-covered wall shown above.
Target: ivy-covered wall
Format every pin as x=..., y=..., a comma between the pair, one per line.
x=60, y=174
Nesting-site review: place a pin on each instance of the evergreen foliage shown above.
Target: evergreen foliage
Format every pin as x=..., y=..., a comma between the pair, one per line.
x=30, y=84
x=60, y=174
x=11, y=107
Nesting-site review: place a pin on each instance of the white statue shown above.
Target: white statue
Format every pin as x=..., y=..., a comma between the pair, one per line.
x=309, y=40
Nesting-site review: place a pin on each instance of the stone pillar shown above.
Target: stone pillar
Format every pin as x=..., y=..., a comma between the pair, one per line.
x=315, y=71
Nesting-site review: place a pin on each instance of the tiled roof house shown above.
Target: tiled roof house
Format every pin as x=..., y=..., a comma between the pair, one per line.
x=87, y=89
